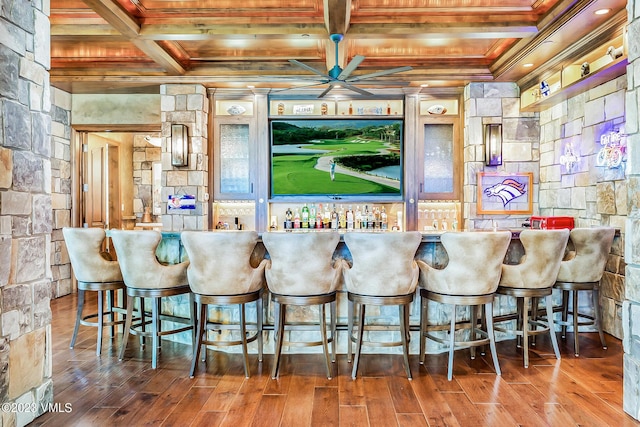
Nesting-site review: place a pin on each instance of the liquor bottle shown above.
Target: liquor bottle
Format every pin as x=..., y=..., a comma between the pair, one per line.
x=334, y=218
x=312, y=216
x=288, y=219
x=350, y=218
x=388, y=108
x=342, y=218
x=383, y=219
x=326, y=220
x=305, y=216
x=358, y=217
x=371, y=219
x=365, y=217
x=350, y=108
x=319, y=217
x=376, y=218
x=296, y=219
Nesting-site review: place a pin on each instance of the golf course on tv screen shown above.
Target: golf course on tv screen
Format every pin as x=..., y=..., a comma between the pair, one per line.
x=336, y=157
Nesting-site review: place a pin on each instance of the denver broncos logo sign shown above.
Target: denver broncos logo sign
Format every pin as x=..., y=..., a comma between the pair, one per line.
x=507, y=190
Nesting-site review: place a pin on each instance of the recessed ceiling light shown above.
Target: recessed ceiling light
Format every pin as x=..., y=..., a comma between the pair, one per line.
x=602, y=11
x=527, y=65
x=250, y=86
x=424, y=85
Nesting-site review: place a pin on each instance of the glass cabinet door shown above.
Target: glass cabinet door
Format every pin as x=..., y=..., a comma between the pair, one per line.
x=233, y=171
x=438, y=175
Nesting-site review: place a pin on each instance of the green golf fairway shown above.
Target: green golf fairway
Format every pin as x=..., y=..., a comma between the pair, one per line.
x=296, y=173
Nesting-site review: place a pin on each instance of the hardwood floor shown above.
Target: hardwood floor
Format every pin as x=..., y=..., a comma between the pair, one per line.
x=585, y=391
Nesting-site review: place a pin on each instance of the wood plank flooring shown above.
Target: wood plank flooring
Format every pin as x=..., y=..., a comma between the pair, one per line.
x=584, y=391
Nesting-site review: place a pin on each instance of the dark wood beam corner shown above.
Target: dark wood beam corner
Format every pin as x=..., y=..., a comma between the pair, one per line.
x=337, y=14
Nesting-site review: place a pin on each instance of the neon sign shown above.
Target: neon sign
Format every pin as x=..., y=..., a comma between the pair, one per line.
x=569, y=158
x=612, y=152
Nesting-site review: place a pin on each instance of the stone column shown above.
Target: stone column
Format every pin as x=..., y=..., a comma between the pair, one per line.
x=497, y=103
x=185, y=104
x=631, y=305
x=25, y=210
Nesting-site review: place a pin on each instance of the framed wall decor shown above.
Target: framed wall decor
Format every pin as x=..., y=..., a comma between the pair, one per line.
x=505, y=193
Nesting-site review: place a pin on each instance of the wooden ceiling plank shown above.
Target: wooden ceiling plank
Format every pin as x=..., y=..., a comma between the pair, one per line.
x=112, y=12
x=475, y=31
x=211, y=31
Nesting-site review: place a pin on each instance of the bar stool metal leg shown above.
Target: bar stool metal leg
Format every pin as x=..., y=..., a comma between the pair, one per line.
x=360, y=334
x=78, y=317
x=595, y=295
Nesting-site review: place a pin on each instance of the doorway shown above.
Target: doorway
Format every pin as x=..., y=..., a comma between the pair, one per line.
x=115, y=178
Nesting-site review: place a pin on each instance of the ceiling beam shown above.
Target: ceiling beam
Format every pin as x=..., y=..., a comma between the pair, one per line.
x=337, y=17
x=120, y=19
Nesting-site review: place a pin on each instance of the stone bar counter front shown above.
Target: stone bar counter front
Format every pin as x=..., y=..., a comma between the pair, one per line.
x=430, y=250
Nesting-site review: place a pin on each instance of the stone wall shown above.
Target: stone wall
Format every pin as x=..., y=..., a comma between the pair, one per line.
x=497, y=103
x=188, y=105
x=26, y=221
x=144, y=156
x=631, y=306
x=593, y=194
x=60, y=190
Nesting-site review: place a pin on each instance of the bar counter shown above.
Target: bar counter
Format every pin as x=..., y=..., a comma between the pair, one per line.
x=430, y=251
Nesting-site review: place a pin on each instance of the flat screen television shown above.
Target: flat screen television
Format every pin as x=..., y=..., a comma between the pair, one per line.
x=337, y=158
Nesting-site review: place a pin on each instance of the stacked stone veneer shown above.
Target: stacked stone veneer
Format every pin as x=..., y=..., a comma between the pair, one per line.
x=25, y=209
x=60, y=190
x=188, y=105
x=631, y=305
x=591, y=194
x=497, y=103
x=144, y=156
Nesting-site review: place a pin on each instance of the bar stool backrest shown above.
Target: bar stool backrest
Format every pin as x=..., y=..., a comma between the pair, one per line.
x=219, y=262
x=89, y=262
x=301, y=263
x=475, y=263
x=136, y=250
x=543, y=252
x=383, y=263
x=587, y=261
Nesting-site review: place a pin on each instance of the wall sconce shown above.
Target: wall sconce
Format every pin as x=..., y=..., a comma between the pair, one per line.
x=493, y=144
x=179, y=145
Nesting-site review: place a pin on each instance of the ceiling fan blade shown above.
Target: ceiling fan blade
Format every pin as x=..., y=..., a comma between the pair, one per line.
x=383, y=83
x=326, y=91
x=351, y=67
x=355, y=89
x=300, y=87
x=308, y=68
x=380, y=73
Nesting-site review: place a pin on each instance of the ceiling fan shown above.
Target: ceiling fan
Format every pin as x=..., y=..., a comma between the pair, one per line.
x=338, y=77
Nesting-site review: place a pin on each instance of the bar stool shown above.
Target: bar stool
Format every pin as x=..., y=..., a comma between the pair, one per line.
x=220, y=273
x=301, y=273
x=581, y=270
x=96, y=272
x=384, y=272
x=145, y=277
x=531, y=279
x=470, y=278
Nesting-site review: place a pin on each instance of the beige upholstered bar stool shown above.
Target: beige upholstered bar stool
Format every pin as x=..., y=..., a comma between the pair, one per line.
x=145, y=277
x=384, y=272
x=301, y=273
x=531, y=279
x=581, y=270
x=96, y=272
x=470, y=278
x=220, y=273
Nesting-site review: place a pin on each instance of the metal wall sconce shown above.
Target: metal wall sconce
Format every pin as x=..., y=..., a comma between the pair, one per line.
x=179, y=145
x=493, y=144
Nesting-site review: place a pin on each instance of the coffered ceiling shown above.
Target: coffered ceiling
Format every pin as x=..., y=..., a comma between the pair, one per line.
x=110, y=46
